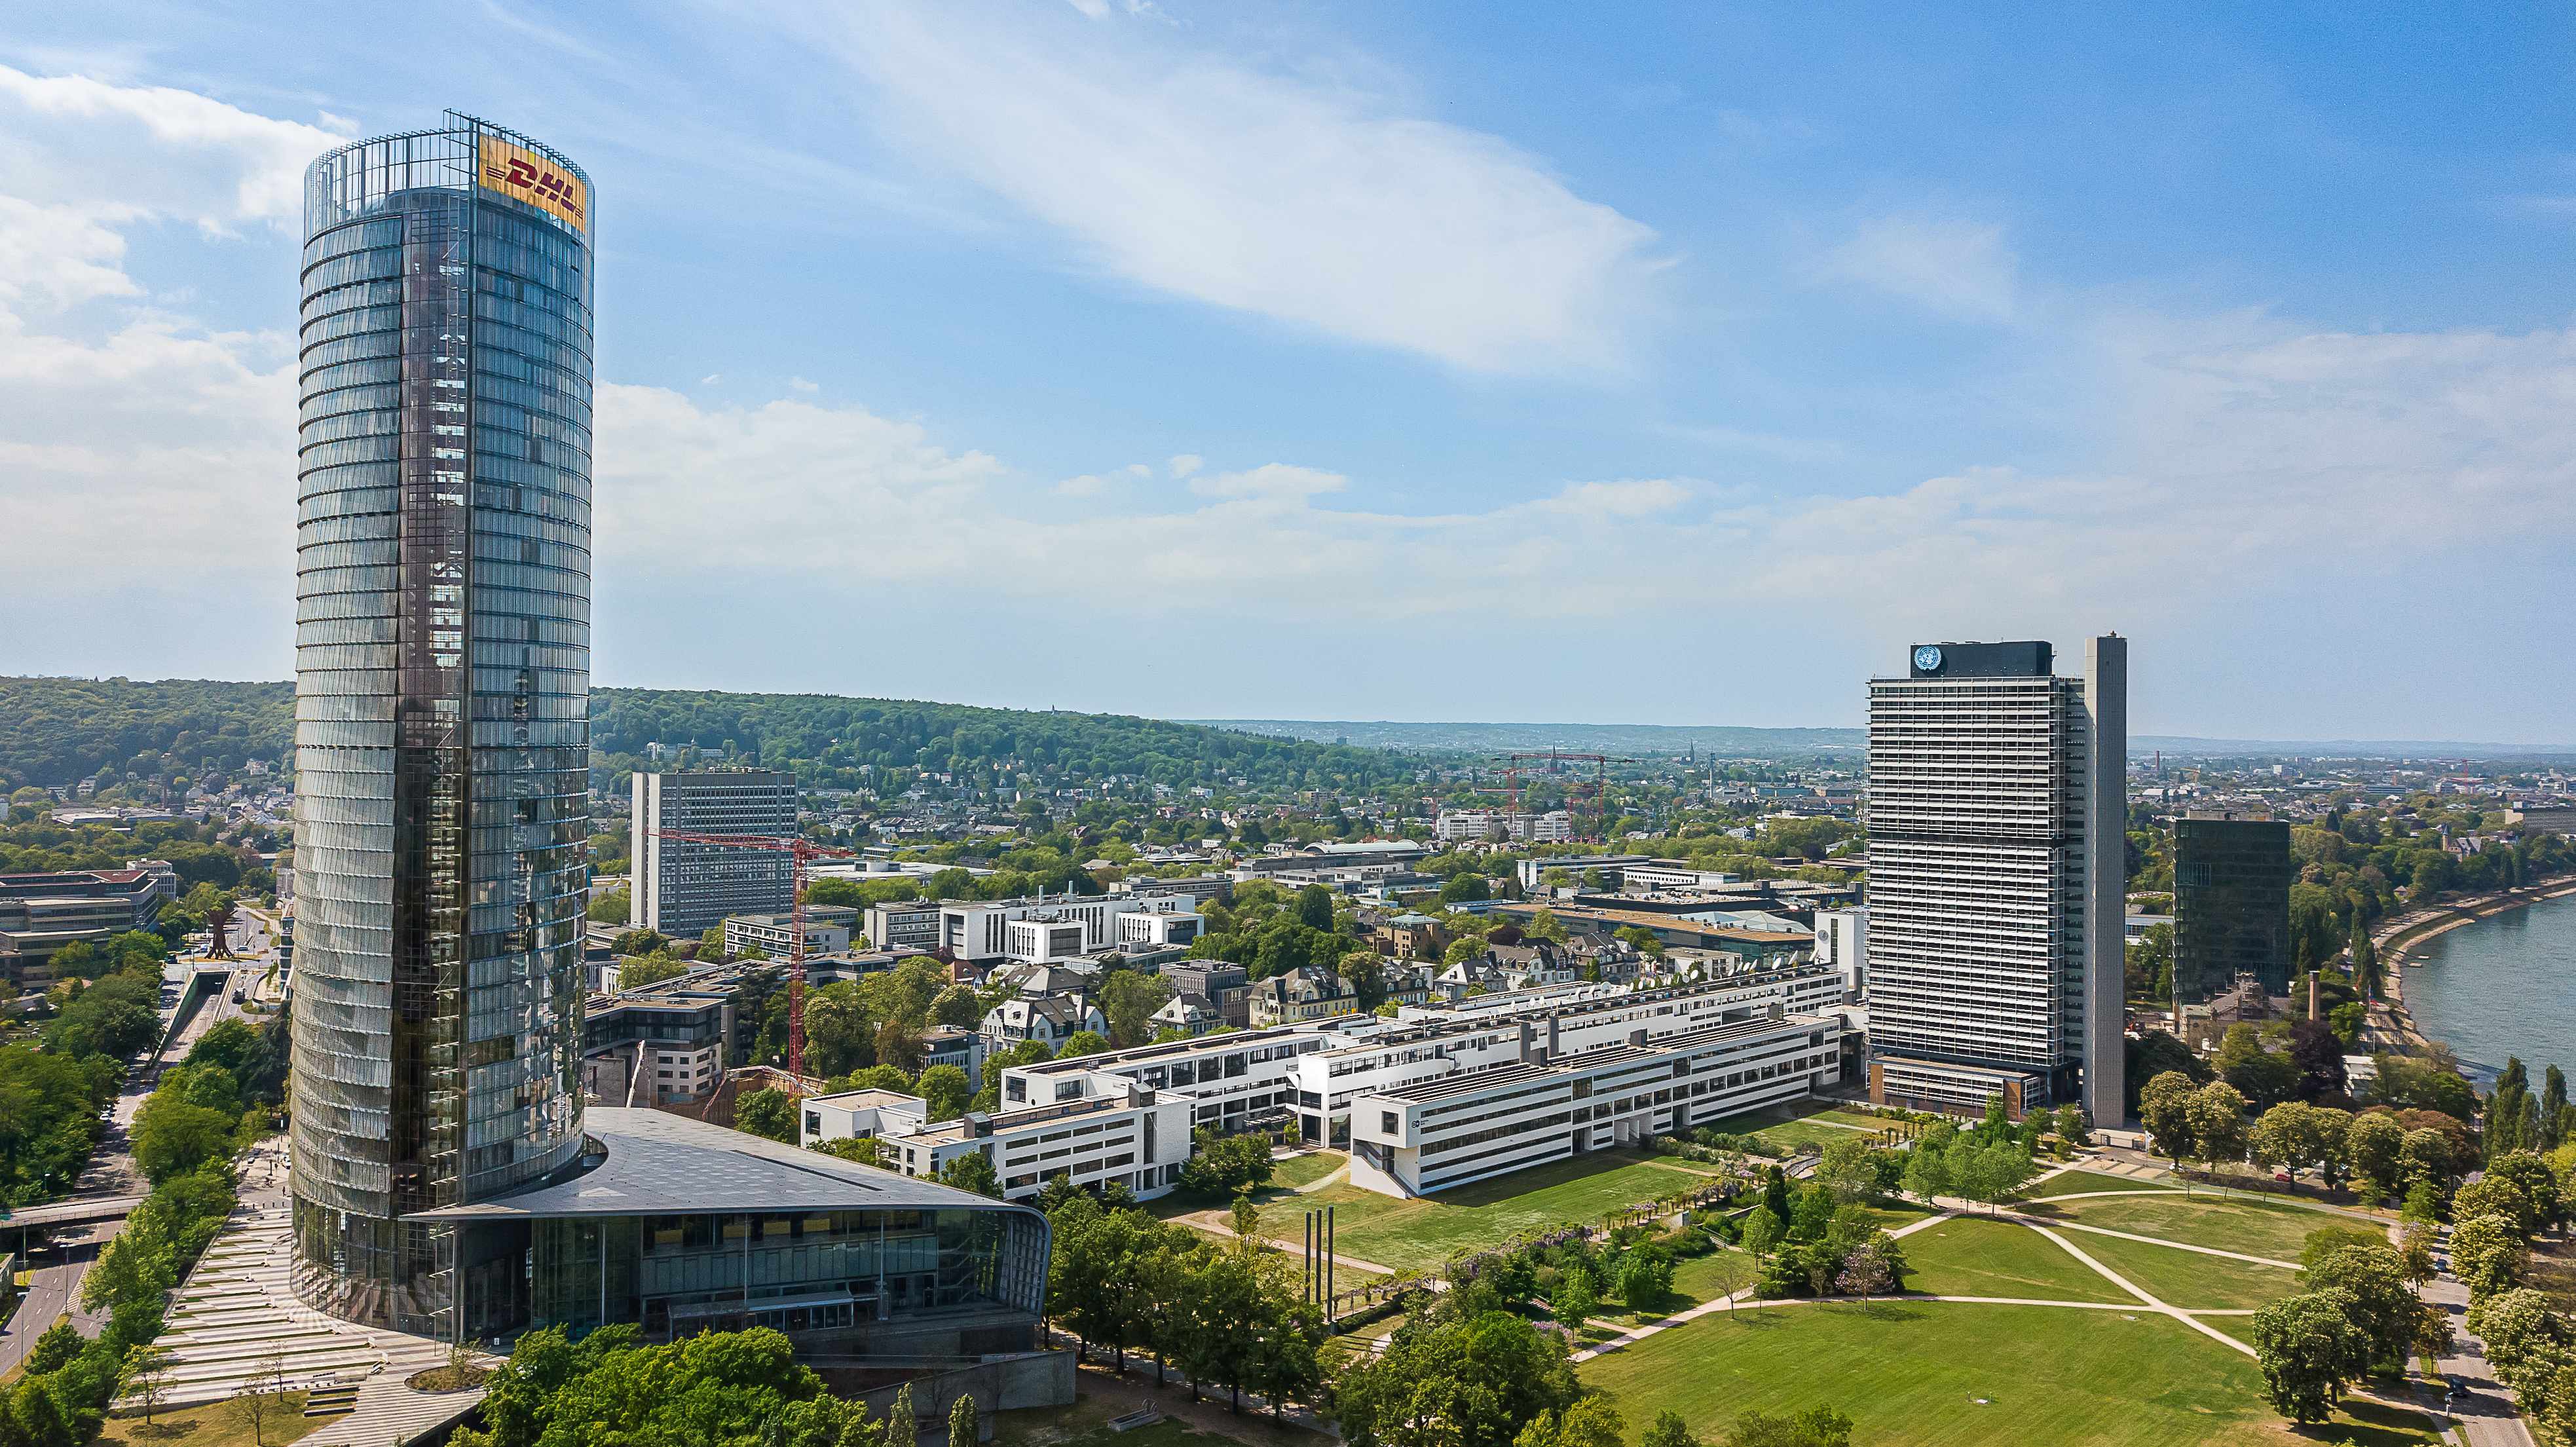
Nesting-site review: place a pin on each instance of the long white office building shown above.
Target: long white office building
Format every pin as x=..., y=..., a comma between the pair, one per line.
x=1997, y=879
x=1450, y=1130
x=1318, y=1076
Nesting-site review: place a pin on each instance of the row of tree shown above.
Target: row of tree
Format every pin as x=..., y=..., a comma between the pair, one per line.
x=2388, y=1153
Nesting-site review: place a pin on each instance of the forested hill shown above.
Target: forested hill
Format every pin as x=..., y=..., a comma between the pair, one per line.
x=56, y=731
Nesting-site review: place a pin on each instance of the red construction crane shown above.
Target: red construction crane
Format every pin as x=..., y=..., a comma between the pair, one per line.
x=801, y=851
x=1576, y=791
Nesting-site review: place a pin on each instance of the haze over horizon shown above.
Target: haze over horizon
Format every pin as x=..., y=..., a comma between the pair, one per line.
x=1680, y=368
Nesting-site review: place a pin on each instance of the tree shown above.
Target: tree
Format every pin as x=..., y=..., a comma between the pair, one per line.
x=147, y=1379
x=2164, y=1107
x=1814, y=1427
x=1866, y=1272
x=172, y=1137
x=2500, y=1196
x=1847, y=1170
x=864, y=1150
x=944, y=1092
x=2300, y=1136
x=2371, y=1148
x=1081, y=1043
x=1315, y=907
x=1472, y=1382
x=961, y=1421
x=1129, y=1000
x=1644, y=1275
x=1928, y=1173
x=2308, y=1348
x=1641, y=939
x=613, y=907
x=2217, y=1113
x=2488, y=1255
x=2392, y=1319
x=768, y=1112
x=1669, y=1430
x=1762, y=1232
x=261, y=1413
x=637, y=971
x=957, y=1008
x=1590, y=1422
x=1573, y=1302
x=974, y=1172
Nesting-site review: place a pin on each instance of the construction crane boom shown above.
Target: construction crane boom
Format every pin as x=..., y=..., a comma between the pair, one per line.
x=801, y=851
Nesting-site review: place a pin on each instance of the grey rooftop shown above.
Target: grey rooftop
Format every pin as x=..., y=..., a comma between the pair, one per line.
x=663, y=1164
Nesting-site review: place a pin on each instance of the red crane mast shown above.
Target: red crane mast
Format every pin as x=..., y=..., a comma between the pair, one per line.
x=801, y=851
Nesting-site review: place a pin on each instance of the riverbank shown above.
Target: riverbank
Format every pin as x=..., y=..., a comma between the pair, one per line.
x=2399, y=939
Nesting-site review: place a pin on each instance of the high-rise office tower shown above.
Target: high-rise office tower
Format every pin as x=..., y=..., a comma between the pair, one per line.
x=442, y=701
x=684, y=889
x=1998, y=878
x=2232, y=881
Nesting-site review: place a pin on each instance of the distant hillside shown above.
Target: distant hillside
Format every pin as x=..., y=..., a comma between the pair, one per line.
x=1725, y=743
x=57, y=731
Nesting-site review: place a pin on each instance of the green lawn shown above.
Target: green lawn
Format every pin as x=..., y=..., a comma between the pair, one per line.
x=1421, y=1233
x=2257, y=1228
x=2072, y=1182
x=1912, y=1373
x=2188, y=1279
x=1307, y=1169
x=1968, y=1256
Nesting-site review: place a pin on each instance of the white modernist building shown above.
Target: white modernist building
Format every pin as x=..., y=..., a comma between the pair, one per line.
x=1449, y=1130
x=1998, y=812
x=1315, y=1075
x=1554, y=827
x=1058, y=926
x=1120, y=1134
x=1842, y=945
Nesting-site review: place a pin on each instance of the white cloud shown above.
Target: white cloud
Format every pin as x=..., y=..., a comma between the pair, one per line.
x=799, y=384
x=1186, y=463
x=1314, y=203
x=128, y=432
x=1959, y=269
x=1271, y=480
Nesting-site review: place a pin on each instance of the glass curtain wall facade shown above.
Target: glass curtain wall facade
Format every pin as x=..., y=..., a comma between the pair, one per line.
x=442, y=700
x=2232, y=881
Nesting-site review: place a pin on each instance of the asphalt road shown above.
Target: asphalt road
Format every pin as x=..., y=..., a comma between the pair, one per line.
x=59, y=1267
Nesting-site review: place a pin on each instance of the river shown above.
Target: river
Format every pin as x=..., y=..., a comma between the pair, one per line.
x=2499, y=986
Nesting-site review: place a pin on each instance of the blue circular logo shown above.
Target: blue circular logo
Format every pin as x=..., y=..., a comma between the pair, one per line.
x=1927, y=659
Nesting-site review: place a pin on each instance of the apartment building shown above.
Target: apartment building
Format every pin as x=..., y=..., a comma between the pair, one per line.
x=1998, y=810
x=1447, y=1131
x=682, y=889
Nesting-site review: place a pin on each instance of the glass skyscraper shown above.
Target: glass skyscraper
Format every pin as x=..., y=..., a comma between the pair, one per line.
x=442, y=706
x=2232, y=881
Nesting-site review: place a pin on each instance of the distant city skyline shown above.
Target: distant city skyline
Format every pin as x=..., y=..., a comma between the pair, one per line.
x=1676, y=366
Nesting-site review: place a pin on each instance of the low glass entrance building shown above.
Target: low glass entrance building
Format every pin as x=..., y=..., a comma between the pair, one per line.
x=680, y=1226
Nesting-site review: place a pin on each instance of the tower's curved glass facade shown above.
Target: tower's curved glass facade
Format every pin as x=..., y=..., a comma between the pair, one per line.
x=442, y=707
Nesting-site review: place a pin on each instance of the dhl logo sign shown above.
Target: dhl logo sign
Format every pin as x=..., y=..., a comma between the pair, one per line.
x=522, y=174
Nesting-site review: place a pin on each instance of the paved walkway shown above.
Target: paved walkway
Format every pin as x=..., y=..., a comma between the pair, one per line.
x=2486, y=1414
x=2046, y=1226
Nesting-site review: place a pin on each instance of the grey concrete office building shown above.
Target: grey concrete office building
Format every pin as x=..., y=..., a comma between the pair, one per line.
x=684, y=889
x=1998, y=878
x=442, y=701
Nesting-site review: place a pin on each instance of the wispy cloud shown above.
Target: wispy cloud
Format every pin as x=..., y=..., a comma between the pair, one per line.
x=1318, y=204
x=1958, y=269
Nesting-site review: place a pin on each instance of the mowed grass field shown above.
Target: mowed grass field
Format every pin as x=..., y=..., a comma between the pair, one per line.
x=1913, y=1373
x=1800, y=1123
x=2188, y=1279
x=1966, y=1256
x=1420, y=1234
x=1307, y=1169
x=2257, y=1228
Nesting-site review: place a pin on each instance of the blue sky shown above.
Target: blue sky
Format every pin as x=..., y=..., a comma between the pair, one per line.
x=1670, y=364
